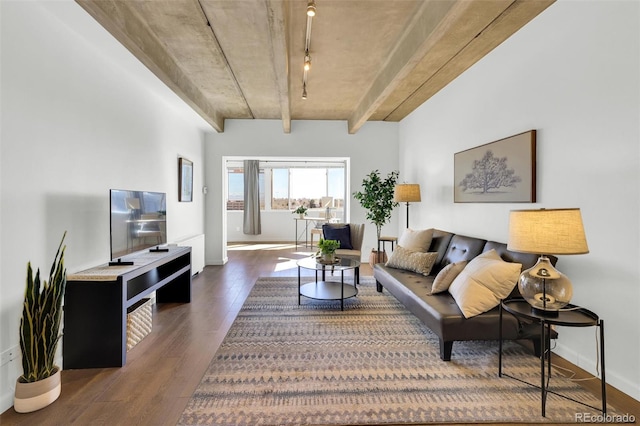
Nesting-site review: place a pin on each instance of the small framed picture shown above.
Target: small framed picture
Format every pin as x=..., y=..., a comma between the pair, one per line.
x=185, y=180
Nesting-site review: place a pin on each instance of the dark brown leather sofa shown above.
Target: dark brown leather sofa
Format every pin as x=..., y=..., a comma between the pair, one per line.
x=439, y=311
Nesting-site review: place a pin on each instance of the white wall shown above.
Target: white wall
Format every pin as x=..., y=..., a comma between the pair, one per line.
x=80, y=115
x=375, y=146
x=572, y=74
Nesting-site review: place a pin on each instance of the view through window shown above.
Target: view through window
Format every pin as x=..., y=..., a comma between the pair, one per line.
x=320, y=188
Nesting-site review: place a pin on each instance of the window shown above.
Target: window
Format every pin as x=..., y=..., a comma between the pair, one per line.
x=316, y=187
x=235, y=176
x=280, y=189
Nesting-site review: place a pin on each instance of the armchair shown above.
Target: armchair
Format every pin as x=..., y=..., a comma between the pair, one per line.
x=356, y=236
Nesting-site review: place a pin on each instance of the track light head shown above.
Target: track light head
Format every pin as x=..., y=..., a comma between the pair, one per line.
x=307, y=62
x=311, y=8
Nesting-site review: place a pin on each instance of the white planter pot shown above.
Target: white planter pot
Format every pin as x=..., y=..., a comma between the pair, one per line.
x=36, y=395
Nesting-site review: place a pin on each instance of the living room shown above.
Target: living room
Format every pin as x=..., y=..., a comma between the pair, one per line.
x=81, y=115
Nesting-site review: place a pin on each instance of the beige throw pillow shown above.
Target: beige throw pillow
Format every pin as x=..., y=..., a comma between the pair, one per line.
x=416, y=240
x=485, y=281
x=446, y=276
x=412, y=260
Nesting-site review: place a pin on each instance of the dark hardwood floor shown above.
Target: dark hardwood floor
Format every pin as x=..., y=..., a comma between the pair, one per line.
x=164, y=369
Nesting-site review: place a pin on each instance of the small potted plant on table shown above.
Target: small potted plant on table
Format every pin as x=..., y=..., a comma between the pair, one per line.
x=301, y=211
x=327, y=250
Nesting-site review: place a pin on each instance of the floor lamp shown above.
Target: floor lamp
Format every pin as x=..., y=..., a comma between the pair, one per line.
x=407, y=193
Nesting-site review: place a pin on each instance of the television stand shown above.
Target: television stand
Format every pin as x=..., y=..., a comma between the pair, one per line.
x=158, y=249
x=96, y=302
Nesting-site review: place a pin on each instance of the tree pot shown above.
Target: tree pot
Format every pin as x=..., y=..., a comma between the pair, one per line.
x=377, y=257
x=32, y=396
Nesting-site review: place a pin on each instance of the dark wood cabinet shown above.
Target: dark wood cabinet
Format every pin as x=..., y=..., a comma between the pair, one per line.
x=96, y=302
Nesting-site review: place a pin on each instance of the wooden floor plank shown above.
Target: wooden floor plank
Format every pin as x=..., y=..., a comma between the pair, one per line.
x=164, y=369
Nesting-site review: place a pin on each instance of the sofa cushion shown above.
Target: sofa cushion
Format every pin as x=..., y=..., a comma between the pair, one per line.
x=485, y=281
x=349, y=254
x=412, y=260
x=338, y=233
x=439, y=311
x=446, y=276
x=416, y=240
x=462, y=248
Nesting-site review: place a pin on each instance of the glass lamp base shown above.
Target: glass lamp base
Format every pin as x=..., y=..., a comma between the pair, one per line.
x=545, y=288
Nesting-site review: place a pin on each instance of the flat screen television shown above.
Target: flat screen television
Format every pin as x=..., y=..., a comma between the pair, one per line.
x=138, y=221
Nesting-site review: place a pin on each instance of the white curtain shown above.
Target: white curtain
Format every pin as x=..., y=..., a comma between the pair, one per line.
x=252, y=198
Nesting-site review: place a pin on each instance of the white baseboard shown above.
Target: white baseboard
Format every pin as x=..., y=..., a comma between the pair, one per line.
x=588, y=364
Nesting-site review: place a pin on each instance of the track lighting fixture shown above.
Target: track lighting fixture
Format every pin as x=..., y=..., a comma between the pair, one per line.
x=307, y=62
x=311, y=8
x=311, y=12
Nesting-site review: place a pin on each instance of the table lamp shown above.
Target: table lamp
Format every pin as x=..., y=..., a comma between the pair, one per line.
x=546, y=232
x=406, y=193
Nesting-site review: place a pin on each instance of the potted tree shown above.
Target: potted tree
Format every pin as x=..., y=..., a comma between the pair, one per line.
x=327, y=250
x=301, y=211
x=39, y=384
x=377, y=197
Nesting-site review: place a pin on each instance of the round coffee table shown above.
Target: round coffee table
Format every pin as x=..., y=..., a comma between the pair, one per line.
x=327, y=290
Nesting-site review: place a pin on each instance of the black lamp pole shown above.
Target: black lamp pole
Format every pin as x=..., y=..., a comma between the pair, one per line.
x=407, y=215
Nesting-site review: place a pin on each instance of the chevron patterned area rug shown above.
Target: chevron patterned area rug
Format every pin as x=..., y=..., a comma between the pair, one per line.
x=373, y=363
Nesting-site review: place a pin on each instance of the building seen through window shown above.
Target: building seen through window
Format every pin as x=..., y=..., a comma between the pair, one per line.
x=320, y=189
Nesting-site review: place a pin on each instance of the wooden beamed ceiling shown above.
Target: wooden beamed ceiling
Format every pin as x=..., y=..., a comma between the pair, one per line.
x=371, y=59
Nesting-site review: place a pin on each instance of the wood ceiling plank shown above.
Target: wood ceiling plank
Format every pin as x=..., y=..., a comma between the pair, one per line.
x=508, y=23
x=134, y=33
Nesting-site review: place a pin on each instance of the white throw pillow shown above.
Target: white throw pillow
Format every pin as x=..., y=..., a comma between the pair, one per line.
x=446, y=276
x=485, y=281
x=412, y=260
x=416, y=240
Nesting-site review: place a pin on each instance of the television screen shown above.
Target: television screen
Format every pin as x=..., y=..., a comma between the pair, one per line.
x=138, y=221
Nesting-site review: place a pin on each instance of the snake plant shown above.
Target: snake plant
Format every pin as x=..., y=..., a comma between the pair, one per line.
x=40, y=322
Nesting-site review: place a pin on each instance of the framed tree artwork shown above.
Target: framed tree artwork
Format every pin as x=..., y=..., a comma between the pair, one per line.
x=185, y=180
x=503, y=171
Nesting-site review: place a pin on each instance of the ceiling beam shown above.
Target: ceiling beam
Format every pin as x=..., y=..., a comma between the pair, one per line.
x=129, y=29
x=277, y=12
x=412, y=46
x=517, y=15
x=215, y=45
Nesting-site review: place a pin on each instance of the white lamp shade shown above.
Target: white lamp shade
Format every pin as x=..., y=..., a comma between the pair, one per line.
x=547, y=231
x=406, y=193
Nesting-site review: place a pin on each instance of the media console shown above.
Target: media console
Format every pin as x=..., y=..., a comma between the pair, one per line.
x=96, y=302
